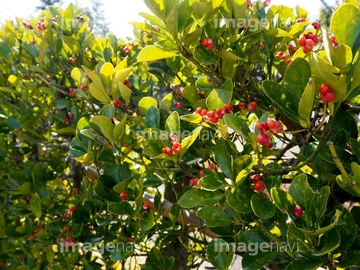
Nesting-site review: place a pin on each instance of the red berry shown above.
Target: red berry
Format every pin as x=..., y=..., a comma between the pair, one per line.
x=259, y=186
x=227, y=107
x=256, y=178
x=199, y=110
x=178, y=105
x=316, y=25
x=71, y=115
x=72, y=91
x=32, y=237
x=214, y=120
x=210, y=46
x=26, y=77
x=309, y=45
x=194, y=181
x=324, y=88
x=146, y=206
x=298, y=211
x=302, y=40
x=242, y=105
x=349, y=146
x=270, y=124
x=278, y=128
x=36, y=230
x=201, y=95
x=205, y=41
x=260, y=126
x=65, y=229
x=66, y=121
x=201, y=174
x=263, y=139
x=126, y=50
x=280, y=54
x=48, y=78
x=210, y=114
x=117, y=102
x=266, y=3
x=41, y=26
x=218, y=111
x=288, y=62
x=176, y=148
x=300, y=20
x=124, y=196
x=84, y=87
x=332, y=39
x=328, y=96
x=252, y=106
x=167, y=150
x=72, y=208
x=204, y=112
x=174, y=138
x=72, y=60
x=128, y=83
x=125, y=144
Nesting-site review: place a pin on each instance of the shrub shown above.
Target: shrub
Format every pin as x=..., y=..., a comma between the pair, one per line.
x=221, y=129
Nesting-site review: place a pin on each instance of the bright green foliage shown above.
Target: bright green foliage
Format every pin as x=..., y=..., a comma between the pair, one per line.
x=152, y=145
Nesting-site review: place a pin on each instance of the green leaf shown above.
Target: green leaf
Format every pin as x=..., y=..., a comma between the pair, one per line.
x=152, y=117
x=157, y=7
x=106, y=74
x=191, y=94
x=213, y=181
x=272, y=180
x=351, y=259
x=153, y=53
x=195, y=197
x=239, y=198
x=306, y=104
x=303, y=264
x=223, y=159
x=119, y=130
x=349, y=183
x=262, y=207
x=330, y=242
x=204, y=56
x=220, y=254
x=282, y=199
x=145, y=103
x=188, y=141
x=346, y=31
x=192, y=118
x=218, y=97
x=214, y=216
x=258, y=260
x=104, y=126
x=172, y=124
x=35, y=205
x=106, y=193
x=297, y=240
x=147, y=221
x=121, y=208
x=125, y=92
x=237, y=124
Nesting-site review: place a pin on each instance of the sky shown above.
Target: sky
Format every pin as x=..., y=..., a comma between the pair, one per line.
x=119, y=15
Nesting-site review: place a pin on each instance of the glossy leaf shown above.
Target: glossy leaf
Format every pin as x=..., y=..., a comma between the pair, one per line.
x=153, y=53
x=195, y=197
x=262, y=207
x=214, y=216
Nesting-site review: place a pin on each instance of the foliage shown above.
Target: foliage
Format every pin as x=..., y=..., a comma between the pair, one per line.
x=210, y=134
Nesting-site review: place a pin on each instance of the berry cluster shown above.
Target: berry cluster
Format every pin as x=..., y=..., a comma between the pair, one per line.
x=272, y=126
x=316, y=25
x=214, y=116
x=326, y=94
x=71, y=209
x=41, y=26
x=298, y=211
x=176, y=147
x=178, y=105
x=117, y=102
x=308, y=41
x=251, y=106
x=208, y=43
x=259, y=184
x=194, y=181
x=284, y=57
